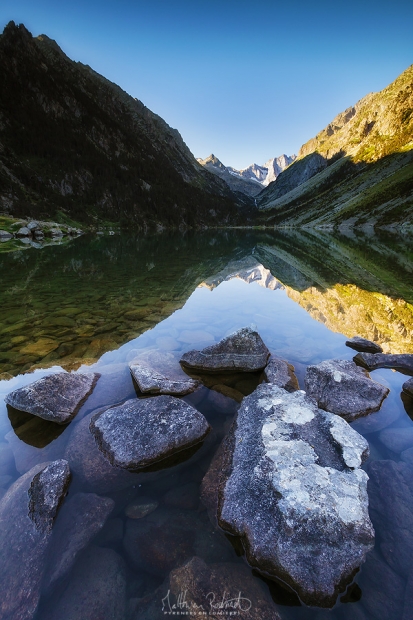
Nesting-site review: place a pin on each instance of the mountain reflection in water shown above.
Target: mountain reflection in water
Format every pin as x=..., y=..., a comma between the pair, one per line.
x=99, y=302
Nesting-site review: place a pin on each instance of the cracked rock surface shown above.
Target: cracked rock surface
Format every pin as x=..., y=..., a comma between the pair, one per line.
x=342, y=387
x=141, y=432
x=242, y=351
x=56, y=398
x=291, y=487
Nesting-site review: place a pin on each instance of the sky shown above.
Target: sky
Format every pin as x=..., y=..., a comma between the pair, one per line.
x=245, y=81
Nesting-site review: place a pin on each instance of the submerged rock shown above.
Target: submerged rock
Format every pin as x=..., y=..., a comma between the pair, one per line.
x=80, y=519
x=209, y=591
x=242, y=351
x=160, y=373
x=362, y=344
x=408, y=387
x=27, y=514
x=96, y=590
x=291, y=486
x=398, y=361
x=341, y=387
x=141, y=432
x=56, y=398
x=139, y=508
x=281, y=373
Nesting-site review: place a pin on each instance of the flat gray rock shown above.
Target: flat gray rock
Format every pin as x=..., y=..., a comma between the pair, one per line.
x=362, y=344
x=56, y=398
x=5, y=235
x=342, y=387
x=398, y=361
x=27, y=514
x=141, y=432
x=160, y=373
x=291, y=487
x=408, y=387
x=80, y=519
x=281, y=373
x=242, y=351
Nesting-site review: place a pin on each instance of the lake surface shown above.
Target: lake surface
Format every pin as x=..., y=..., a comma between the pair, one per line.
x=97, y=302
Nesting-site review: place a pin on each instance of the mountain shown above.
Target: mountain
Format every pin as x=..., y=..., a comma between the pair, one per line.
x=358, y=171
x=251, y=180
x=75, y=146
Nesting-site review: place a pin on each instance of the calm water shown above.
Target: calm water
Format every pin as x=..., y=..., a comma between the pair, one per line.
x=97, y=302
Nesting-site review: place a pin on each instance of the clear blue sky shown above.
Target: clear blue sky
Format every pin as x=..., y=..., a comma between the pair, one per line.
x=246, y=81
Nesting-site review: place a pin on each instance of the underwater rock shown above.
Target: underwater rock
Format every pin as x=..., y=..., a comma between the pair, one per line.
x=291, y=487
x=281, y=373
x=80, y=519
x=219, y=589
x=27, y=514
x=56, y=398
x=341, y=387
x=242, y=351
x=141, y=432
x=96, y=589
x=141, y=507
x=185, y=496
x=398, y=361
x=160, y=373
x=88, y=462
x=362, y=344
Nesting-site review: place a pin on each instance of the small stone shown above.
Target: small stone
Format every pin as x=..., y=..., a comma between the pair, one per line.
x=281, y=373
x=160, y=373
x=341, y=387
x=5, y=236
x=141, y=432
x=364, y=345
x=23, y=232
x=33, y=225
x=408, y=387
x=141, y=507
x=56, y=398
x=398, y=361
x=242, y=351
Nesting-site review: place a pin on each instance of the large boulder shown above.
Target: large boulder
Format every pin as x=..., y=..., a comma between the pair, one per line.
x=27, y=514
x=242, y=351
x=80, y=519
x=342, y=387
x=160, y=373
x=291, y=486
x=281, y=373
x=398, y=361
x=142, y=432
x=362, y=344
x=56, y=398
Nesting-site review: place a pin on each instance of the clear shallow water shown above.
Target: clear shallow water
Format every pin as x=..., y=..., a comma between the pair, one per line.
x=323, y=284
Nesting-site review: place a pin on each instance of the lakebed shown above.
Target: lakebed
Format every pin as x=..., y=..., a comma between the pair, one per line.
x=97, y=303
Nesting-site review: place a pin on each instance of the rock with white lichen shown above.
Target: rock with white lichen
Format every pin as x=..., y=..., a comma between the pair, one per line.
x=242, y=351
x=290, y=485
x=343, y=388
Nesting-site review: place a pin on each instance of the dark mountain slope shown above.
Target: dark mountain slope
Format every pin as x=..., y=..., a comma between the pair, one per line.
x=74, y=144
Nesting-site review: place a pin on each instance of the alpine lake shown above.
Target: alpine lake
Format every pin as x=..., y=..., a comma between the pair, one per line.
x=94, y=304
